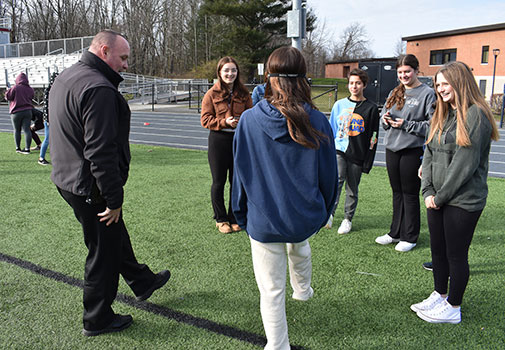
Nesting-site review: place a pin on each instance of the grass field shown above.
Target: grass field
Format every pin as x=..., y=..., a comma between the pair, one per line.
x=362, y=290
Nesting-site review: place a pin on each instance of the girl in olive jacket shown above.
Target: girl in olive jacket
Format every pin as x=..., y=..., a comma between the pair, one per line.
x=222, y=107
x=454, y=185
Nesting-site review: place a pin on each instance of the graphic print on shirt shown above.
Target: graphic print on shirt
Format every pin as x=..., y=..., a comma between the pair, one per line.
x=349, y=124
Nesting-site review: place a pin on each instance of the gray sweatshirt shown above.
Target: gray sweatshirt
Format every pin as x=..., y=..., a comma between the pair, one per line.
x=416, y=114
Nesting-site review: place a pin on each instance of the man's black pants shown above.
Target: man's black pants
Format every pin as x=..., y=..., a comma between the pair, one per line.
x=109, y=254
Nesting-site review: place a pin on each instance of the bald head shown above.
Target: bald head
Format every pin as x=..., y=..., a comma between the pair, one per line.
x=113, y=48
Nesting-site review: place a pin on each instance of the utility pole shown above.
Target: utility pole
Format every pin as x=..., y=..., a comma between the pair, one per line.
x=297, y=18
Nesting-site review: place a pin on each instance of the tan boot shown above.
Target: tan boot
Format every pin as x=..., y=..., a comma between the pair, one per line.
x=224, y=227
x=236, y=228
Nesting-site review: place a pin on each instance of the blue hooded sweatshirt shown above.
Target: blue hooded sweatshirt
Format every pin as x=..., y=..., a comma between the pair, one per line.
x=282, y=191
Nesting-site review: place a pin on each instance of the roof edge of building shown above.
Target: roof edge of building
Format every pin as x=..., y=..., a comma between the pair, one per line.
x=469, y=30
x=363, y=60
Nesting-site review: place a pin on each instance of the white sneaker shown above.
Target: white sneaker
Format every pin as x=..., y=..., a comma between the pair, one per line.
x=443, y=313
x=345, y=227
x=329, y=223
x=404, y=246
x=427, y=304
x=303, y=297
x=386, y=239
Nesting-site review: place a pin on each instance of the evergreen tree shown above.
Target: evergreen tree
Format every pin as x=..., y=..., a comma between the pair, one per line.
x=250, y=29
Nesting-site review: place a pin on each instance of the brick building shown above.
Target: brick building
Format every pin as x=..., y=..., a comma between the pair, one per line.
x=476, y=46
x=341, y=69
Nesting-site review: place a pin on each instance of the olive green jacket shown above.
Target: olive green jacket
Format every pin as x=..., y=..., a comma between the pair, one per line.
x=457, y=175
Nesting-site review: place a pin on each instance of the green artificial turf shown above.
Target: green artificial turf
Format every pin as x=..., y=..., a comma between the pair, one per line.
x=362, y=290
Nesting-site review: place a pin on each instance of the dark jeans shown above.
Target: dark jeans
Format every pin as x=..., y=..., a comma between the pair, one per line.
x=109, y=254
x=451, y=232
x=220, y=155
x=402, y=169
x=22, y=120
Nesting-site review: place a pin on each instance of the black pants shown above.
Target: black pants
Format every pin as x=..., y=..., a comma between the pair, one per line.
x=109, y=254
x=220, y=154
x=402, y=169
x=451, y=232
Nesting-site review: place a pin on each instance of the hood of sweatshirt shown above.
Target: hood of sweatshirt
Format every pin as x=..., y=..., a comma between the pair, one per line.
x=22, y=79
x=272, y=122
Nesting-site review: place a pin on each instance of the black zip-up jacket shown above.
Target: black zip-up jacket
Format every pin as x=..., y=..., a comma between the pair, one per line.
x=90, y=126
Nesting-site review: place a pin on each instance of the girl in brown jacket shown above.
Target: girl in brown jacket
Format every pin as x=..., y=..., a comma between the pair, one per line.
x=222, y=107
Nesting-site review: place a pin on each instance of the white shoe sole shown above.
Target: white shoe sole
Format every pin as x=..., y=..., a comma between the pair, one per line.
x=434, y=320
x=393, y=240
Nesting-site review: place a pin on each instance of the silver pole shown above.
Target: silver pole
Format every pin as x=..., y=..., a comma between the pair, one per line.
x=297, y=42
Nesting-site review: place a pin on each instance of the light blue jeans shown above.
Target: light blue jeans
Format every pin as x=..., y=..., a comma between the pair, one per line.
x=45, y=143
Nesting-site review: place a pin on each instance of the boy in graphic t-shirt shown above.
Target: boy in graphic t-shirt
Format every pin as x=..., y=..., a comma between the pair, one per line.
x=355, y=124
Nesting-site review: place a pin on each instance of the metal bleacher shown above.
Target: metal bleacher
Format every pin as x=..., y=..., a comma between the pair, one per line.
x=39, y=59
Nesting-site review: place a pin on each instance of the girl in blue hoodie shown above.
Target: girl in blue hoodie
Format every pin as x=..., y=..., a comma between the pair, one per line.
x=284, y=186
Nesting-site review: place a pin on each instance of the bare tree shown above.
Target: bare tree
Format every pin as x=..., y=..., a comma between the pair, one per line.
x=15, y=10
x=353, y=43
x=400, y=47
x=316, y=49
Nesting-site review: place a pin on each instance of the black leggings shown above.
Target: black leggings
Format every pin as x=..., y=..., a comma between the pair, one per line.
x=402, y=169
x=220, y=154
x=451, y=232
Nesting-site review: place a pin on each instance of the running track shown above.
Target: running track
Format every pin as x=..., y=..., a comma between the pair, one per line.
x=180, y=127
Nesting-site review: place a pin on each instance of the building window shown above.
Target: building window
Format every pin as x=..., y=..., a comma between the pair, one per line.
x=485, y=54
x=439, y=57
x=482, y=87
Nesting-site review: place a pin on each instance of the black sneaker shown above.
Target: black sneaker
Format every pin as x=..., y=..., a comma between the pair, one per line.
x=428, y=266
x=18, y=150
x=42, y=161
x=24, y=151
x=160, y=280
x=119, y=323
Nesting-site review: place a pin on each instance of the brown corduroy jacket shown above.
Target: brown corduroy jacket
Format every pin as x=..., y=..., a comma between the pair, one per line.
x=215, y=108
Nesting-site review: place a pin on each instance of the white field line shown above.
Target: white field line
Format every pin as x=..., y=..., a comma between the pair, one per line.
x=179, y=145
x=169, y=135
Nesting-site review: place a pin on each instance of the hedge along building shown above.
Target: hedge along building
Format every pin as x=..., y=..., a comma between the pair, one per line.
x=479, y=47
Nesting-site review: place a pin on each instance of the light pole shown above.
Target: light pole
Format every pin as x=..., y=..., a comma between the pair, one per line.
x=496, y=52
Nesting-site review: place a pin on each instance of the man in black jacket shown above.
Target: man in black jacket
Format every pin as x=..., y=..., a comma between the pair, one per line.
x=90, y=125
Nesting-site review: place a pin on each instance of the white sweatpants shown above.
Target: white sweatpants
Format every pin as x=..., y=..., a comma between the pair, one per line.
x=269, y=262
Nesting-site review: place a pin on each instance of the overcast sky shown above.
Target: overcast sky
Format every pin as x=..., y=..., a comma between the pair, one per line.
x=386, y=21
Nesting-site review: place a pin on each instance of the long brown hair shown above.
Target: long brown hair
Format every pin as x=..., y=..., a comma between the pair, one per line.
x=288, y=90
x=398, y=95
x=238, y=87
x=466, y=93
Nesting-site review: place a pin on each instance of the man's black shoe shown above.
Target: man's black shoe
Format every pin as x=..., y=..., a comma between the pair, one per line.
x=161, y=279
x=428, y=266
x=119, y=323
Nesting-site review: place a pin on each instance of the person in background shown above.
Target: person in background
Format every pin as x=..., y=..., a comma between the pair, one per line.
x=454, y=185
x=38, y=124
x=405, y=117
x=90, y=151
x=258, y=93
x=45, y=144
x=355, y=124
x=20, y=107
x=222, y=107
x=284, y=186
